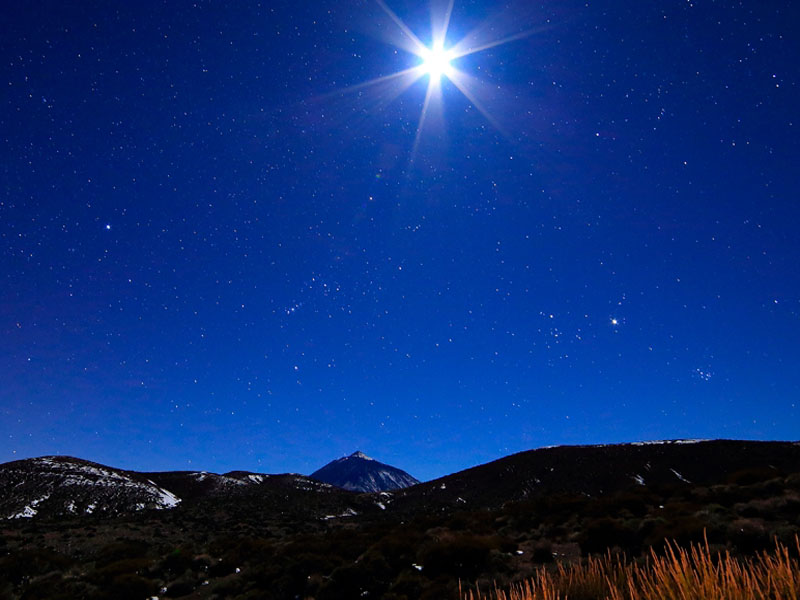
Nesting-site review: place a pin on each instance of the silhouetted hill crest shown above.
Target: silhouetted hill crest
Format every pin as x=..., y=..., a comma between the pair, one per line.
x=67, y=487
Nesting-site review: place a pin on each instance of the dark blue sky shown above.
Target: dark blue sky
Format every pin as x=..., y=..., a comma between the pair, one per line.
x=215, y=255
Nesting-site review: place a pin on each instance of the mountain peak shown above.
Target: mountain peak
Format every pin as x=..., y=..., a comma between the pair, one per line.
x=364, y=475
x=360, y=454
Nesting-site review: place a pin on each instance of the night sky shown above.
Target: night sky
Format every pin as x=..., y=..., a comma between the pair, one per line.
x=223, y=245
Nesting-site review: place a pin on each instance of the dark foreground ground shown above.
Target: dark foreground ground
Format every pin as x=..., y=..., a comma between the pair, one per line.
x=415, y=544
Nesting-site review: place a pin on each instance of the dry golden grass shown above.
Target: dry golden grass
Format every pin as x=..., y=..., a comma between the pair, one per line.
x=679, y=574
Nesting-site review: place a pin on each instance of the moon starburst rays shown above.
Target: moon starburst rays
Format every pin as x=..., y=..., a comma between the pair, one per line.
x=436, y=62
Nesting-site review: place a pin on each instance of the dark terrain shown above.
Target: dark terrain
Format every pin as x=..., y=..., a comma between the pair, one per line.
x=245, y=535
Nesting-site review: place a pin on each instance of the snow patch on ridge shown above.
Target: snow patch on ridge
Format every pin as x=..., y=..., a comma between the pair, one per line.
x=663, y=442
x=679, y=476
x=358, y=454
x=30, y=511
x=347, y=513
x=92, y=487
x=167, y=499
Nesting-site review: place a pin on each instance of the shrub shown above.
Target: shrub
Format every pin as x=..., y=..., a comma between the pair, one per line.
x=751, y=476
x=131, y=587
x=128, y=566
x=684, y=529
x=400, y=547
x=543, y=552
x=409, y=584
x=749, y=535
x=370, y=578
x=177, y=562
x=600, y=535
x=48, y=587
x=462, y=557
x=123, y=550
x=26, y=564
x=181, y=587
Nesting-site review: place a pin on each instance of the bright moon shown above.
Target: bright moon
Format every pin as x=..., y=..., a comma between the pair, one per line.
x=436, y=62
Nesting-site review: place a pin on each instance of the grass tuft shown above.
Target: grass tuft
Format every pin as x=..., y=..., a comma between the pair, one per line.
x=693, y=573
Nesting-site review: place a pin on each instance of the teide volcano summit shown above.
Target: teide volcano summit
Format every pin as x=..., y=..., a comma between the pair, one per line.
x=360, y=473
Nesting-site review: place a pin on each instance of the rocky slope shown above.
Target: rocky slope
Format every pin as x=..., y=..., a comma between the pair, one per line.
x=360, y=473
x=62, y=486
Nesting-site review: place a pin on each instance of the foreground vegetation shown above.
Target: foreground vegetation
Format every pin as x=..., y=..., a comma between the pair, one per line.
x=695, y=573
x=254, y=549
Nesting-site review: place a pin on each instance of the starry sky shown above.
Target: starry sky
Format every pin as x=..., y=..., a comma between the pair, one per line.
x=226, y=242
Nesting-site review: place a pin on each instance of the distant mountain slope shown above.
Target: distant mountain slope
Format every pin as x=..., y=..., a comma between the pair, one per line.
x=194, y=485
x=601, y=470
x=62, y=486
x=360, y=473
